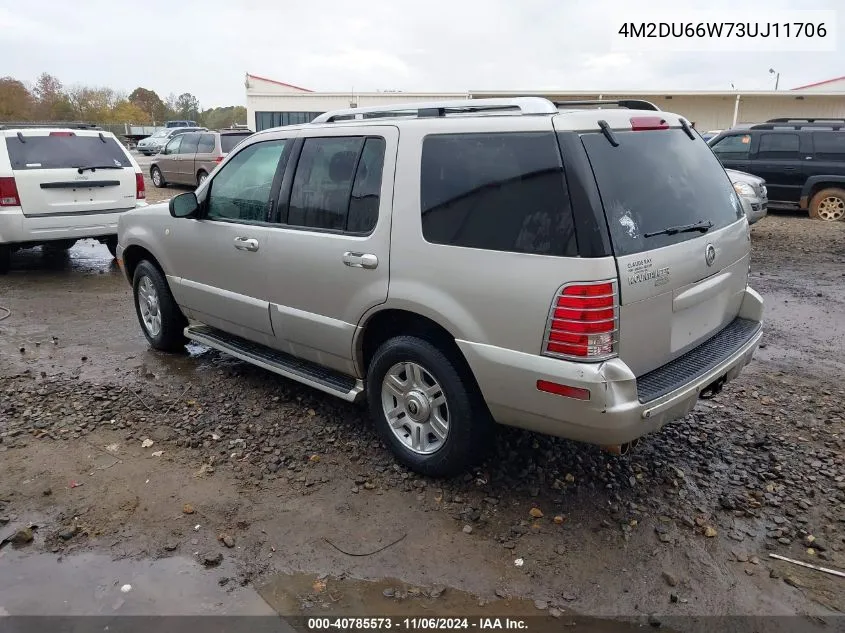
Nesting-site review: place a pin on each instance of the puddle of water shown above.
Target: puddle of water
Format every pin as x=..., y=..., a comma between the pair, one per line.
x=300, y=597
x=94, y=584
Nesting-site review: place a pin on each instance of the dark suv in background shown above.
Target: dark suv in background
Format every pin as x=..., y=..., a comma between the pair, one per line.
x=801, y=160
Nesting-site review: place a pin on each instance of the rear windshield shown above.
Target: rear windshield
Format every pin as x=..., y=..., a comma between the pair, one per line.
x=61, y=152
x=229, y=141
x=656, y=180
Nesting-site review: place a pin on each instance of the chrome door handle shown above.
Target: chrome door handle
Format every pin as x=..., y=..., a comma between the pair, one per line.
x=360, y=260
x=246, y=244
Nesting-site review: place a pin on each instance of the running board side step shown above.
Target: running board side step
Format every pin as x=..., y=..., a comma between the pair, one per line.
x=306, y=372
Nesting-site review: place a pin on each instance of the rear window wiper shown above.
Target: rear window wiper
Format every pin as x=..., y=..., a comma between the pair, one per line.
x=81, y=168
x=701, y=227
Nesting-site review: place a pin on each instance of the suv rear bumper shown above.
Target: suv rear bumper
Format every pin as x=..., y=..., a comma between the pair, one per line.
x=614, y=414
x=15, y=228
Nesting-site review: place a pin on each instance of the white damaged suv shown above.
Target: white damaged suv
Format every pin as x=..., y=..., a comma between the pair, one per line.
x=578, y=269
x=62, y=183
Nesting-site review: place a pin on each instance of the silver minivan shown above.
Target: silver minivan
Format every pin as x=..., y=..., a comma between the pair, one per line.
x=189, y=158
x=577, y=271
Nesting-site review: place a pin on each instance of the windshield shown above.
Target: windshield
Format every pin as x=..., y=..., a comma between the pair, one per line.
x=656, y=180
x=161, y=133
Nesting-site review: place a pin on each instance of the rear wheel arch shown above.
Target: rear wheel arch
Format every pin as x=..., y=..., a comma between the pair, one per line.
x=388, y=323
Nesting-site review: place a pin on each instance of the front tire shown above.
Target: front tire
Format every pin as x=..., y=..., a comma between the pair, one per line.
x=157, y=177
x=201, y=176
x=161, y=319
x=828, y=205
x=426, y=407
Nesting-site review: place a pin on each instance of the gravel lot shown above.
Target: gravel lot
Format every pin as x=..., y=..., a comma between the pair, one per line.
x=684, y=525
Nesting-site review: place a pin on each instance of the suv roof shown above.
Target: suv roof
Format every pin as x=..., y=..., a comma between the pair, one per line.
x=33, y=125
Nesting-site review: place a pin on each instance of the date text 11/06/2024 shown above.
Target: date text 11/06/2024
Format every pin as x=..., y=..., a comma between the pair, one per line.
x=411, y=624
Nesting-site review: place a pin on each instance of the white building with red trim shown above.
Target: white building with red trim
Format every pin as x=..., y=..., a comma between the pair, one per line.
x=271, y=103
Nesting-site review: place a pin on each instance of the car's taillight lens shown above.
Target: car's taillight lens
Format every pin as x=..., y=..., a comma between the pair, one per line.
x=219, y=159
x=582, y=323
x=9, y=193
x=140, y=188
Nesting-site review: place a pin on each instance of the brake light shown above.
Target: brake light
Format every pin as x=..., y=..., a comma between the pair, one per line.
x=9, y=193
x=219, y=159
x=582, y=322
x=140, y=187
x=62, y=134
x=639, y=123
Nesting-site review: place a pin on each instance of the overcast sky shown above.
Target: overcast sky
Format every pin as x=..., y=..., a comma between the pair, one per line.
x=336, y=45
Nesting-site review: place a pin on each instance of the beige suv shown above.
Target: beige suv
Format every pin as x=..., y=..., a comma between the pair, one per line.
x=576, y=271
x=189, y=158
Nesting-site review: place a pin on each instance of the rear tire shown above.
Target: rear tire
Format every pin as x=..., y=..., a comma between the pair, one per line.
x=157, y=177
x=111, y=244
x=161, y=319
x=442, y=424
x=828, y=205
x=5, y=259
x=201, y=176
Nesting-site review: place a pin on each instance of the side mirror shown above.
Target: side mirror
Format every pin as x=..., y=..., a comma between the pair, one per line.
x=185, y=205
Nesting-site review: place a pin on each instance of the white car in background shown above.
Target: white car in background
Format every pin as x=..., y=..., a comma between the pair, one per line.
x=62, y=184
x=751, y=189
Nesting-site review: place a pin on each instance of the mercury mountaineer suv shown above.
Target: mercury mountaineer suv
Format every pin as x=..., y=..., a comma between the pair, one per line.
x=576, y=270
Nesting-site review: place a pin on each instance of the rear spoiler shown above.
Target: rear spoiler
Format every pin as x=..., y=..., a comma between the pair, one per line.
x=72, y=125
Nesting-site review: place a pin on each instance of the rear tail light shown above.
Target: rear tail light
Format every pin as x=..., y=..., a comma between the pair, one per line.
x=639, y=123
x=62, y=134
x=582, y=323
x=567, y=391
x=219, y=159
x=140, y=188
x=9, y=193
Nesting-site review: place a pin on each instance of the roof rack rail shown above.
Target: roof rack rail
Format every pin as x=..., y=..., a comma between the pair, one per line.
x=524, y=105
x=818, y=124
x=803, y=120
x=630, y=104
x=73, y=125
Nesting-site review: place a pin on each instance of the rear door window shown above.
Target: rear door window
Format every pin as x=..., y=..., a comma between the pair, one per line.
x=656, y=180
x=189, y=144
x=501, y=192
x=206, y=144
x=782, y=146
x=63, y=151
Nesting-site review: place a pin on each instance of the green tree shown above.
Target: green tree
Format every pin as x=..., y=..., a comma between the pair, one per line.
x=92, y=104
x=16, y=102
x=148, y=101
x=125, y=111
x=187, y=106
x=52, y=103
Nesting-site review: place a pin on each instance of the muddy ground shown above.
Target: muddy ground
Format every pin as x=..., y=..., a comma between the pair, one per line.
x=113, y=449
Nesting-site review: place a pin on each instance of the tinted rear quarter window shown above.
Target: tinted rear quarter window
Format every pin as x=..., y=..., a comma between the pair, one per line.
x=228, y=142
x=59, y=152
x=735, y=147
x=655, y=180
x=829, y=145
x=502, y=192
